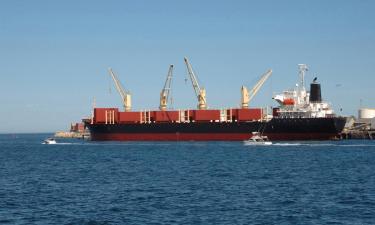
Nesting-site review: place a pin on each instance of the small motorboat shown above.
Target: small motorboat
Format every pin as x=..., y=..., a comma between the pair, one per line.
x=258, y=139
x=49, y=141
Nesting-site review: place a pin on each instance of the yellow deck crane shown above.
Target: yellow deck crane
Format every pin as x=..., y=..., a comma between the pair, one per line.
x=247, y=96
x=165, y=93
x=125, y=95
x=199, y=92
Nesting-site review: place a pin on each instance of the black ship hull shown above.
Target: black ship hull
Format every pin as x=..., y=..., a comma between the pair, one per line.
x=277, y=129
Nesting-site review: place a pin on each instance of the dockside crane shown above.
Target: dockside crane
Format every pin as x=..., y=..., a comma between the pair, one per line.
x=247, y=96
x=200, y=92
x=165, y=93
x=125, y=95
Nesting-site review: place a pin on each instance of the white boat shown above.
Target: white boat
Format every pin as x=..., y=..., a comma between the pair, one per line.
x=258, y=139
x=49, y=141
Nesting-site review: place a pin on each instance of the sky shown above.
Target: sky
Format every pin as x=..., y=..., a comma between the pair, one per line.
x=54, y=55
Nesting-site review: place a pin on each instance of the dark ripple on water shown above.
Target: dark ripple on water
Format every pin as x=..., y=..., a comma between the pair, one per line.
x=185, y=183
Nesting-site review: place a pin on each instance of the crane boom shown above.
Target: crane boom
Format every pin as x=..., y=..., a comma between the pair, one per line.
x=125, y=95
x=165, y=93
x=199, y=92
x=247, y=96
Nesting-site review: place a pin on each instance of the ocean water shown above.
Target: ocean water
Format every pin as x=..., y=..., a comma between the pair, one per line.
x=83, y=182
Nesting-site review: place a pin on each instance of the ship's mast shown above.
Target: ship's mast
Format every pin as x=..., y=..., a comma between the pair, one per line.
x=301, y=90
x=302, y=70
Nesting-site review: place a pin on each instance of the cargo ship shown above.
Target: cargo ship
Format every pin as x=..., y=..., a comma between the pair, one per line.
x=301, y=115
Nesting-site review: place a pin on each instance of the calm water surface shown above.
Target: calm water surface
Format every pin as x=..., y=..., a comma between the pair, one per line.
x=82, y=182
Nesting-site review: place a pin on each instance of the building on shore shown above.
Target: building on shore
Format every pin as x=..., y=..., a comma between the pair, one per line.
x=362, y=127
x=77, y=130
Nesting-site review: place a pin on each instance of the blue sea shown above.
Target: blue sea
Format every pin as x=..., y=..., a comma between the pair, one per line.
x=85, y=182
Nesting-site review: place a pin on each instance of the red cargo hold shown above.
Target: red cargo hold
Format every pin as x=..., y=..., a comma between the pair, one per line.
x=206, y=115
x=249, y=114
x=129, y=117
x=166, y=116
x=105, y=115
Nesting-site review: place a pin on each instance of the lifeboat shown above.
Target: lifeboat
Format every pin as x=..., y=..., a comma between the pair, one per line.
x=288, y=101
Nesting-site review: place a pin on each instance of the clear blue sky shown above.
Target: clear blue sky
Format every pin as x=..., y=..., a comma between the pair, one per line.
x=54, y=55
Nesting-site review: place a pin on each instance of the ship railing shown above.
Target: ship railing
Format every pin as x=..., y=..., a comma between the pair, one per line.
x=302, y=115
x=184, y=116
x=294, y=114
x=145, y=116
x=109, y=117
x=226, y=115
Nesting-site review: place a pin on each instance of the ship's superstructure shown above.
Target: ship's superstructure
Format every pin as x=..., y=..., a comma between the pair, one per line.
x=299, y=103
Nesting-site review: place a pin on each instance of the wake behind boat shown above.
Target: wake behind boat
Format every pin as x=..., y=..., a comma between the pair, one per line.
x=258, y=139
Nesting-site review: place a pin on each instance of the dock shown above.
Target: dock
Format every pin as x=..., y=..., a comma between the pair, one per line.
x=78, y=135
x=358, y=134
